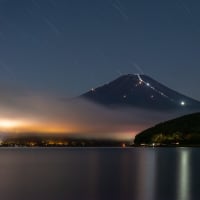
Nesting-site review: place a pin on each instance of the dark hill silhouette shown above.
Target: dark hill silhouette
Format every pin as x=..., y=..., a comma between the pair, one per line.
x=183, y=130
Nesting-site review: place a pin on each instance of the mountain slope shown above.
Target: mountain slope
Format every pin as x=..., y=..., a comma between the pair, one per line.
x=140, y=91
x=183, y=130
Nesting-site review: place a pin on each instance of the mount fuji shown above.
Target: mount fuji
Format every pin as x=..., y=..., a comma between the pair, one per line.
x=140, y=91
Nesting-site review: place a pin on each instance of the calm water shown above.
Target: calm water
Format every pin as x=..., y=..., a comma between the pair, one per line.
x=100, y=174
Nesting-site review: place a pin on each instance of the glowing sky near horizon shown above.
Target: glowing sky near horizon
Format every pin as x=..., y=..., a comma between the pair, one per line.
x=33, y=114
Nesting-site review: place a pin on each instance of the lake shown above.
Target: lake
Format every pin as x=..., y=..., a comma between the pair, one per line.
x=100, y=173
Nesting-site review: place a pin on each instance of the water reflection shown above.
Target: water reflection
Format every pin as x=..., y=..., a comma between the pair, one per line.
x=100, y=174
x=184, y=175
x=146, y=180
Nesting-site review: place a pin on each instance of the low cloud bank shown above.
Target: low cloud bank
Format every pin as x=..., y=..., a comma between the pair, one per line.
x=25, y=112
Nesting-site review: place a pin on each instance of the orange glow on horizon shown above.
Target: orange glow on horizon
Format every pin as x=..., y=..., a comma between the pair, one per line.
x=33, y=126
x=23, y=126
x=9, y=124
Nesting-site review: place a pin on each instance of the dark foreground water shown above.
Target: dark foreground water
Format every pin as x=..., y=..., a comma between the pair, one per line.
x=100, y=174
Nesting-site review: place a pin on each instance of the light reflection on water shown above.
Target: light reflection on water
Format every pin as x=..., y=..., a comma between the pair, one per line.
x=184, y=175
x=100, y=174
x=146, y=180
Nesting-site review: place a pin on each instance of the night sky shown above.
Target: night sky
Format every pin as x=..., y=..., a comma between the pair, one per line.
x=67, y=47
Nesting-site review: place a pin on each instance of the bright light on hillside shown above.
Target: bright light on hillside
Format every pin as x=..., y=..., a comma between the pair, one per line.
x=183, y=103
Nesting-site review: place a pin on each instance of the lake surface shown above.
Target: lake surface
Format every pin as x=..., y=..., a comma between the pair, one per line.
x=100, y=174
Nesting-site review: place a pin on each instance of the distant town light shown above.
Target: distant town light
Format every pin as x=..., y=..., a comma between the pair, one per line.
x=123, y=145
